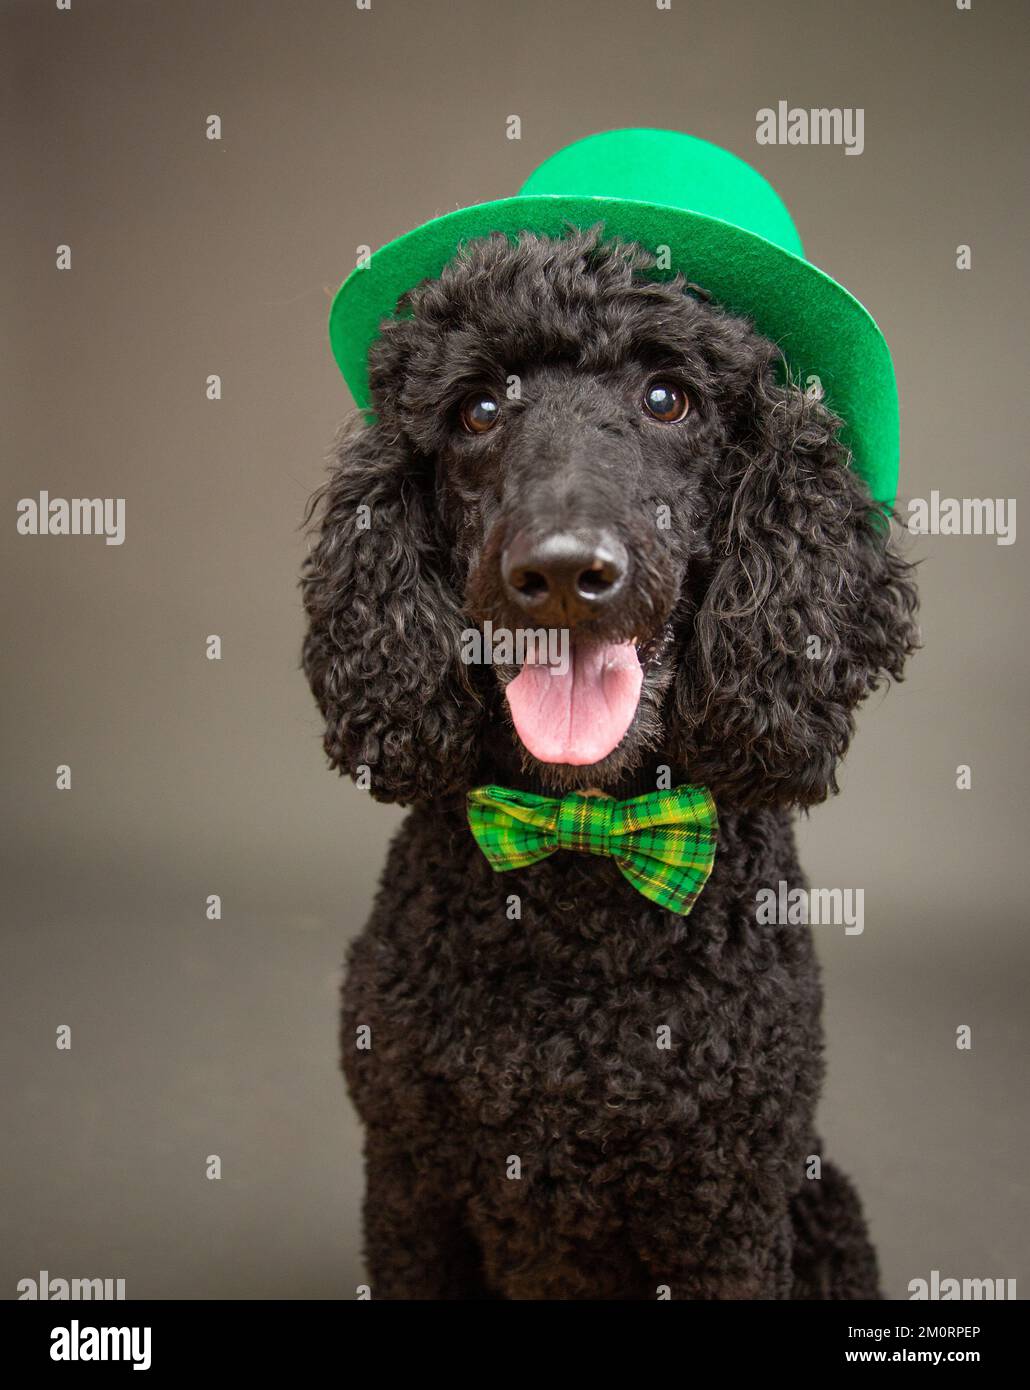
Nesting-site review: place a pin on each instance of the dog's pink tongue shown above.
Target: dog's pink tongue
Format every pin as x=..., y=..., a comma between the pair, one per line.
x=577, y=717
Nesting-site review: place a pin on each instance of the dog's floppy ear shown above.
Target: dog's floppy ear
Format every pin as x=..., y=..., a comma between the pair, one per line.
x=383, y=642
x=808, y=609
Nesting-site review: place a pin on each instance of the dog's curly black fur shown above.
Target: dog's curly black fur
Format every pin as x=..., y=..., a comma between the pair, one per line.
x=523, y=1039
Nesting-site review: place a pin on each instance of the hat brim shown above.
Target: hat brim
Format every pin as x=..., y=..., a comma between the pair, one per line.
x=821, y=329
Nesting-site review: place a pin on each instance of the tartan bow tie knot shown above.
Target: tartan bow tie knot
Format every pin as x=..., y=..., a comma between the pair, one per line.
x=587, y=829
x=663, y=843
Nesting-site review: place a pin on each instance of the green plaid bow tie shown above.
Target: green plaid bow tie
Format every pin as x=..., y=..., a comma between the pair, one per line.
x=664, y=843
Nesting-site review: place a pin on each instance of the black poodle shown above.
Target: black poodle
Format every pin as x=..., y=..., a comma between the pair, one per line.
x=568, y=1090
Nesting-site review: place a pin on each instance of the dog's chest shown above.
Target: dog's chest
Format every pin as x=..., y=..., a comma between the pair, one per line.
x=588, y=1008
x=556, y=1000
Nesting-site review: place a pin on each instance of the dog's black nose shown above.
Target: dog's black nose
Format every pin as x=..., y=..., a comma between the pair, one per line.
x=564, y=577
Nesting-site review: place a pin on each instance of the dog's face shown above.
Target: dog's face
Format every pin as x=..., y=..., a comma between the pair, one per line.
x=562, y=501
x=667, y=550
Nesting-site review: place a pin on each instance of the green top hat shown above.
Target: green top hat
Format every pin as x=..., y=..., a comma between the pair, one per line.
x=726, y=229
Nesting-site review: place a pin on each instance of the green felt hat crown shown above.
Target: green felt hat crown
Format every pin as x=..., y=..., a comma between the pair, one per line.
x=726, y=229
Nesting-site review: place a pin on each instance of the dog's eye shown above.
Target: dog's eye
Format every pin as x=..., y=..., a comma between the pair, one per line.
x=665, y=401
x=480, y=412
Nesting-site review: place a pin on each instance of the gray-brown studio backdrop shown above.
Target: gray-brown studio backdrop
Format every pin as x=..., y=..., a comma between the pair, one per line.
x=192, y=777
